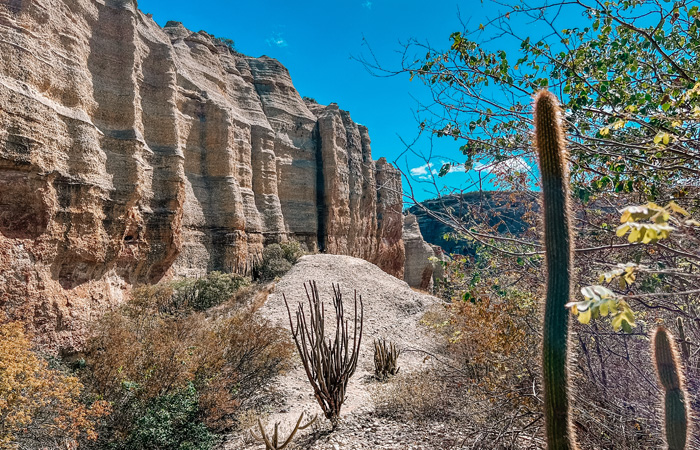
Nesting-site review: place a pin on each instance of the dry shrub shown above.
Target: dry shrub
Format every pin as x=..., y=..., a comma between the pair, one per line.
x=417, y=396
x=247, y=352
x=143, y=355
x=39, y=406
x=491, y=342
x=494, y=342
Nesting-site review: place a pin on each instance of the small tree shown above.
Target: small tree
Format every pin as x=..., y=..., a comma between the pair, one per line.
x=40, y=407
x=329, y=364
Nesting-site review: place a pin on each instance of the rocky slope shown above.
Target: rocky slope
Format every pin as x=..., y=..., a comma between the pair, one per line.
x=130, y=152
x=419, y=269
x=392, y=311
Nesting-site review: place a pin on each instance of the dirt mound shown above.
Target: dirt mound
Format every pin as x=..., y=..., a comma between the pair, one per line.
x=392, y=310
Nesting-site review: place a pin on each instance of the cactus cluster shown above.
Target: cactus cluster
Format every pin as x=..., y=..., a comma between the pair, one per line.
x=329, y=362
x=273, y=442
x=385, y=359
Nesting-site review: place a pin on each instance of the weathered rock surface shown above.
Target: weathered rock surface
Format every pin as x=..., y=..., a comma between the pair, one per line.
x=130, y=152
x=419, y=269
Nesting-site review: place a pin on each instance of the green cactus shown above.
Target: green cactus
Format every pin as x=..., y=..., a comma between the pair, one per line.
x=685, y=344
x=671, y=380
x=549, y=141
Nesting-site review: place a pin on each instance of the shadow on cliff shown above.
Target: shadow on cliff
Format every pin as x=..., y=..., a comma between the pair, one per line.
x=111, y=62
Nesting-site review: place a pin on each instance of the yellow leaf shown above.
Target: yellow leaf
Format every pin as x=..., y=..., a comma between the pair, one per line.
x=619, y=124
x=635, y=234
x=622, y=230
x=605, y=131
x=677, y=209
x=650, y=235
x=585, y=317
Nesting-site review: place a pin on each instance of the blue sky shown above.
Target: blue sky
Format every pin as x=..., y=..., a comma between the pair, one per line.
x=315, y=40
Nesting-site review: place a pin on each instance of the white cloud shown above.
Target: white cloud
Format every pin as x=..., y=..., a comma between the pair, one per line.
x=423, y=172
x=367, y=4
x=427, y=171
x=276, y=41
x=517, y=164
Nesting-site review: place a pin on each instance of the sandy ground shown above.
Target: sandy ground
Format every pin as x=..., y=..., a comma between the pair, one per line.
x=392, y=311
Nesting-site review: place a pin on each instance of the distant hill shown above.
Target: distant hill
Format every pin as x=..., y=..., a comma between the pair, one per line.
x=504, y=212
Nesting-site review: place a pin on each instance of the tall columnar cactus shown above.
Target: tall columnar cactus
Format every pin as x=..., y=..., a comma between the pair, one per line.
x=671, y=380
x=549, y=141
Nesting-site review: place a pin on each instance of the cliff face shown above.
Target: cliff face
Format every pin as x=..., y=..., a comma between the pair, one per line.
x=130, y=152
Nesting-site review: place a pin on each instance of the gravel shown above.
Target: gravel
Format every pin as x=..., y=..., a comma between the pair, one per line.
x=392, y=310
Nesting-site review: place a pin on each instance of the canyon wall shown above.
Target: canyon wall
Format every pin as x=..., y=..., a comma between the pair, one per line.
x=130, y=153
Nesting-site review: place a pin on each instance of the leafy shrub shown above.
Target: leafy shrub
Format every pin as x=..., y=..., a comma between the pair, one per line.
x=203, y=293
x=292, y=251
x=144, y=356
x=227, y=42
x=171, y=422
x=278, y=259
x=39, y=406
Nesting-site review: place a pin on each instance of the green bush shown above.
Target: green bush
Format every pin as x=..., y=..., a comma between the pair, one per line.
x=170, y=422
x=292, y=251
x=174, y=377
x=203, y=293
x=278, y=259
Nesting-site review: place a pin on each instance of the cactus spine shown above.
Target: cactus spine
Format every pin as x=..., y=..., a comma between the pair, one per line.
x=671, y=380
x=549, y=141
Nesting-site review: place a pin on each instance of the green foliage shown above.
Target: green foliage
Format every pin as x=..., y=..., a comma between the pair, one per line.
x=170, y=421
x=628, y=82
x=162, y=367
x=203, y=293
x=278, y=259
x=292, y=251
x=601, y=301
x=671, y=380
x=229, y=43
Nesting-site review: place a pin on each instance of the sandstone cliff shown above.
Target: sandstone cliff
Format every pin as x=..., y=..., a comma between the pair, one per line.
x=130, y=152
